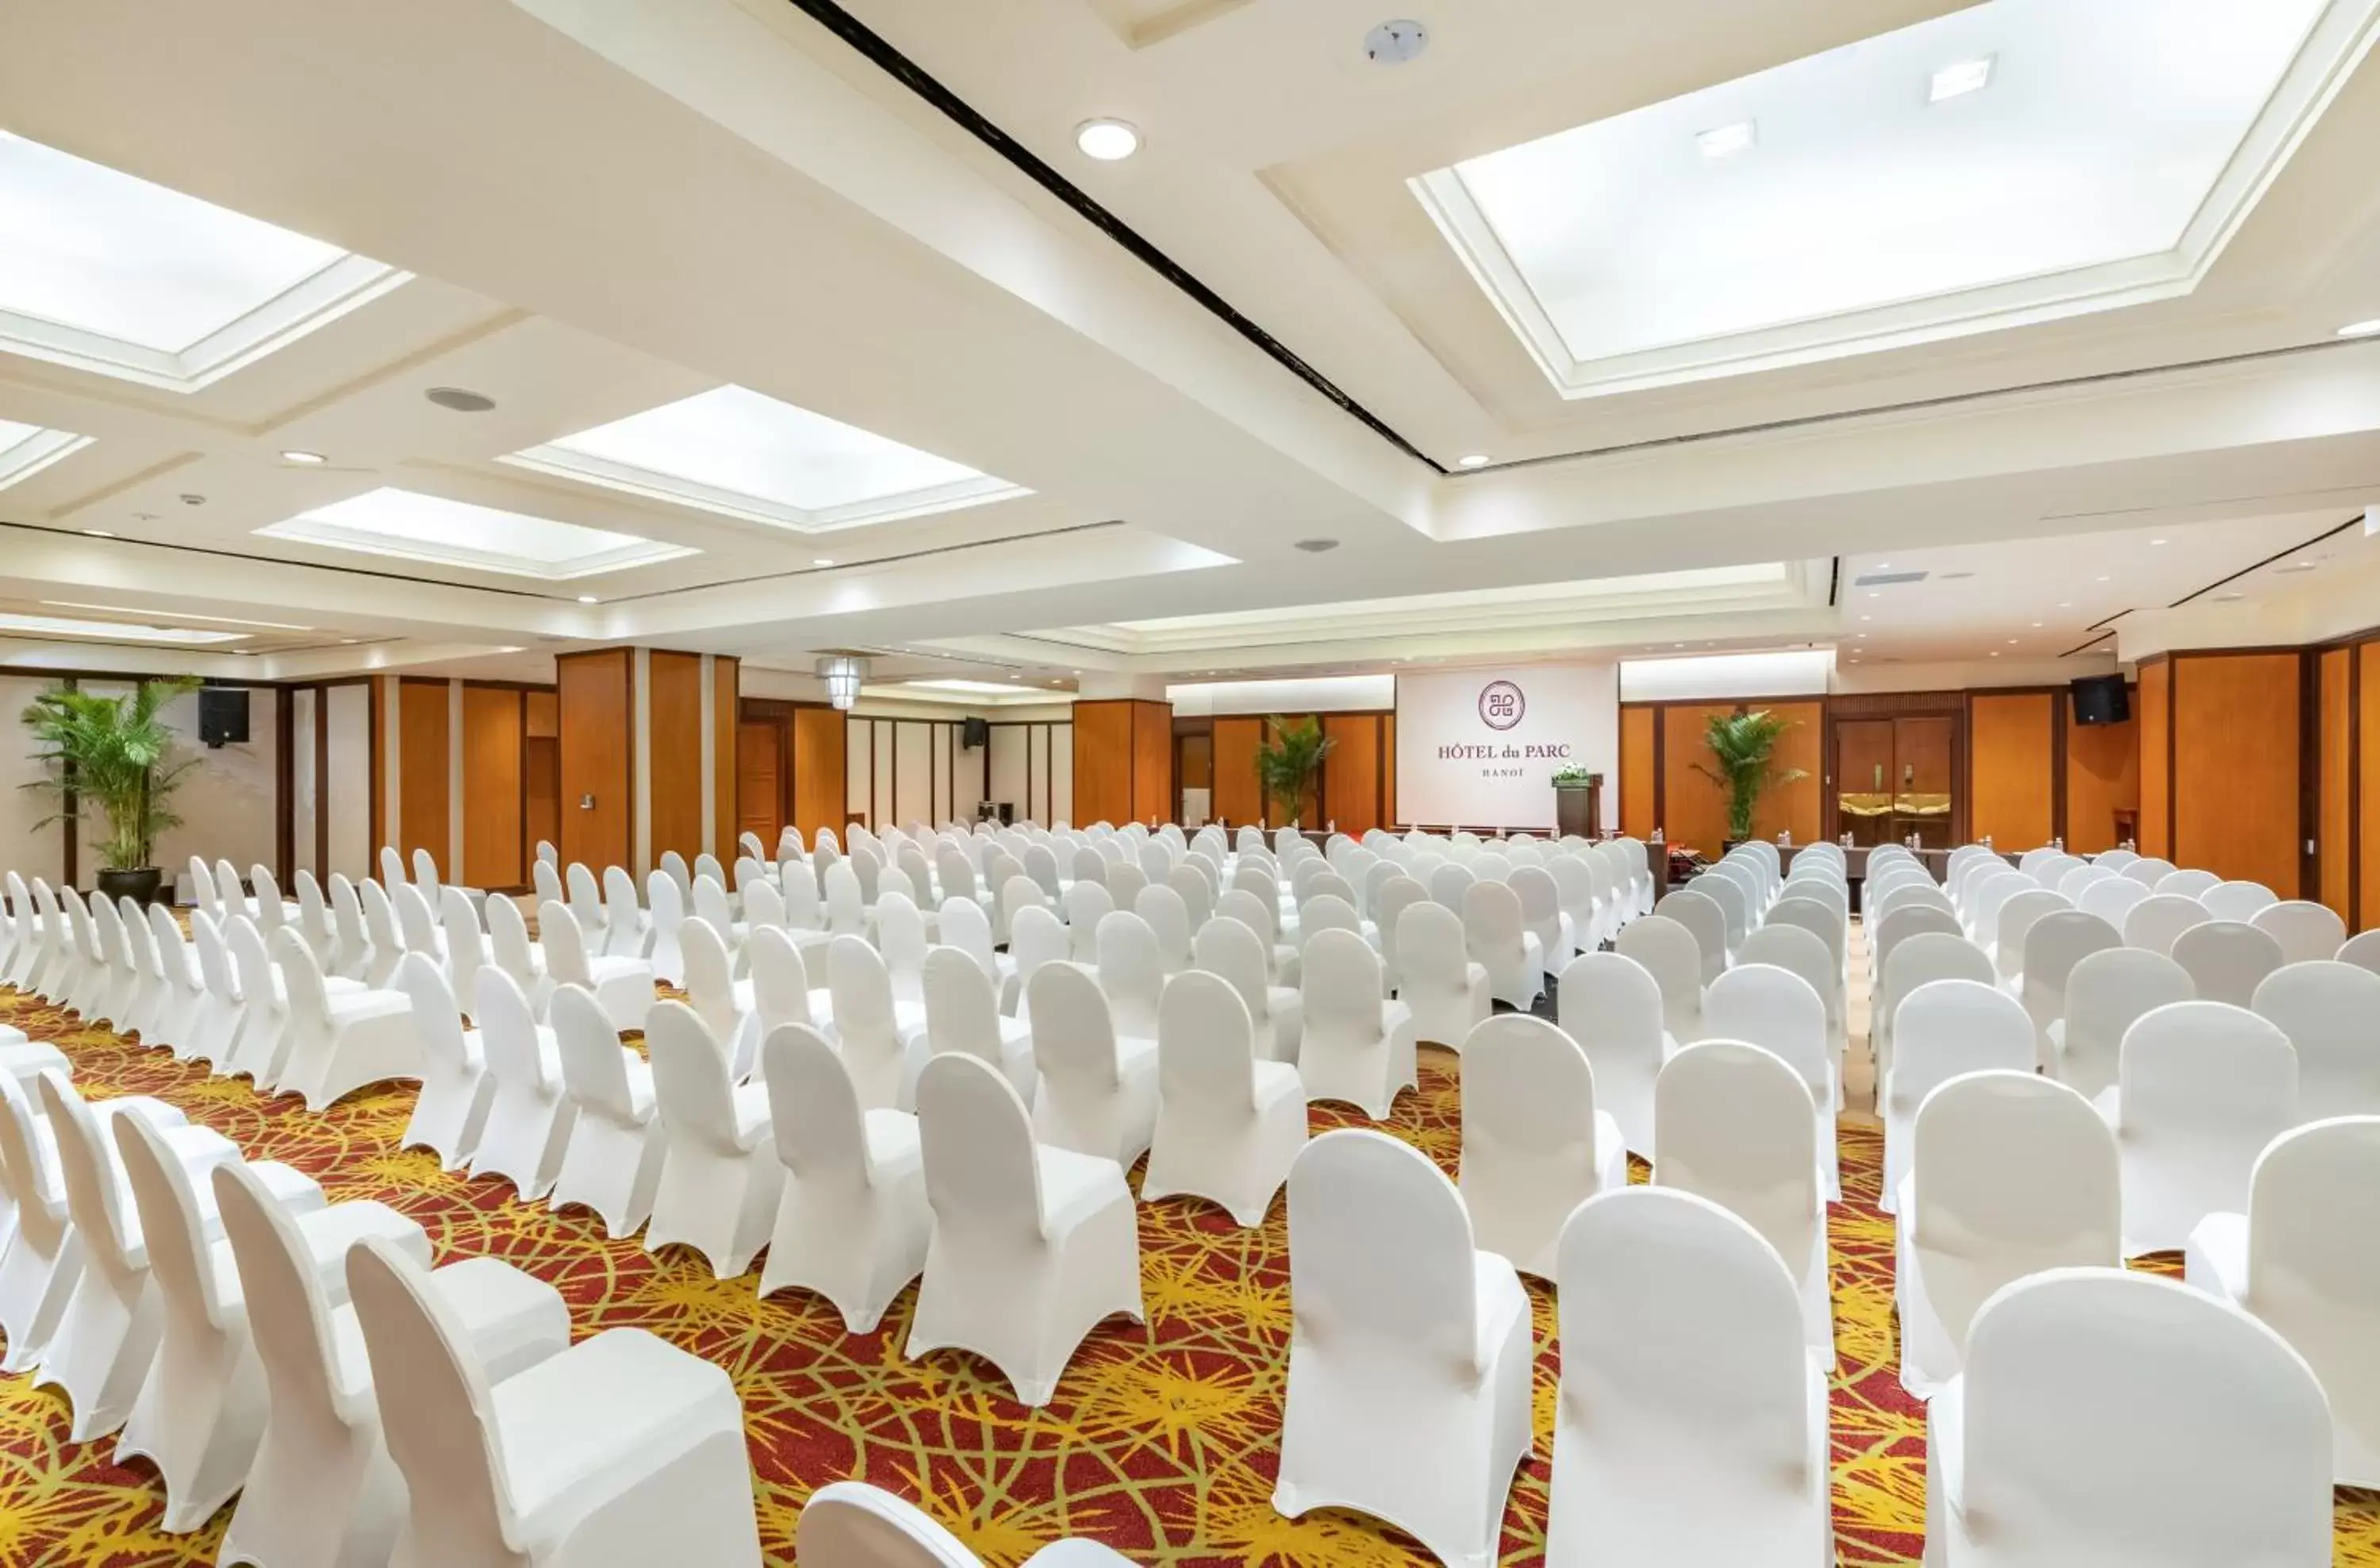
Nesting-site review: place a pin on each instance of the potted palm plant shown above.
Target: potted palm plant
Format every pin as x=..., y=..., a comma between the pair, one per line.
x=1743, y=744
x=116, y=754
x=1289, y=762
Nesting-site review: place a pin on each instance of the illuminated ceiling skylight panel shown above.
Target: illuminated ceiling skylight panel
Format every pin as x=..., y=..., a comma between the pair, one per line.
x=414, y=526
x=110, y=631
x=738, y=451
x=2021, y=155
x=108, y=273
x=25, y=450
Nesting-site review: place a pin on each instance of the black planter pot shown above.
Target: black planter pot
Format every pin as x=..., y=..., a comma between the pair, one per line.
x=139, y=883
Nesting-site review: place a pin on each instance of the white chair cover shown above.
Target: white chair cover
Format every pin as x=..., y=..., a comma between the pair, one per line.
x=2201, y=1087
x=1535, y=1145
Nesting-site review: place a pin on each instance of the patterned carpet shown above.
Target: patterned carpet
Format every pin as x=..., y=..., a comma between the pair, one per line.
x=1161, y=1441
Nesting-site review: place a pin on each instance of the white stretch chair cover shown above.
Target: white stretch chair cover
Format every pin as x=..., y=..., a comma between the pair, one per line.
x=1409, y=1360
x=1691, y=1425
x=2107, y=1416
x=1612, y=1006
x=2331, y=1012
x=2201, y=1087
x=1230, y=1123
x=1535, y=1145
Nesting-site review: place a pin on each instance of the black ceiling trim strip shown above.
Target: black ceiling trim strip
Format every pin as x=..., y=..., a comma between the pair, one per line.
x=2260, y=565
x=2108, y=620
x=909, y=74
x=1949, y=400
x=278, y=561
x=958, y=548
x=2093, y=643
x=1835, y=585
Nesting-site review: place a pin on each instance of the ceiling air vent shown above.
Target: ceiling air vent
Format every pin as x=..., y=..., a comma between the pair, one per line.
x=1883, y=580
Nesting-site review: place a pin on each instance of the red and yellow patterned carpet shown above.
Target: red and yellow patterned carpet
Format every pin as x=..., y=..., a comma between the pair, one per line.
x=1161, y=1441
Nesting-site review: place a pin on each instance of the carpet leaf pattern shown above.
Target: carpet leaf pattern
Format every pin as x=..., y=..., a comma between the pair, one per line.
x=1162, y=1440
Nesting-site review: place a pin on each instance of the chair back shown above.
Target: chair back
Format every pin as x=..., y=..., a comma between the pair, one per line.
x=692, y=1092
x=2226, y=960
x=173, y=1222
x=2239, y=901
x=508, y=1032
x=2313, y=1185
x=2010, y=1165
x=1928, y=956
x=1342, y=991
x=1732, y=1123
x=287, y=1310
x=381, y=926
x=2106, y=994
x=437, y=1021
x=2211, y=1076
x=2305, y=929
x=2147, y=869
x=173, y=952
x=1206, y=1038
x=814, y=1111
x=594, y=1071
x=2053, y=945
x=2096, y=1395
x=1903, y=924
x=1491, y=923
x=564, y=944
x=983, y=1180
x=435, y=1407
x=797, y=881
x=709, y=977
x=673, y=865
x=203, y=888
x=1685, y=1324
x=1450, y=882
x=417, y=927
x=621, y=911
x=2192, y=882
x=1788, y=946
x=1947, y=1028
x=1612, y=1006
x=1528, y=1102
x=1672, y=955
x=508, y=945
x=1197, y=894
x=88, y=1169
x=2017, y=917
x=586, y=896
x=2328, y=1010
x=1168, y=918
x=235, y=896
x=545, y=880
x=1779, y=1011
x=1231, y=952
x=781, y=981
x=1381, y=1250
x=302, y=977
x=962, y=1013
x=1074, y=1031
x=1131, y=971
x=709, y=901
x=845, y=912
x=1037, y=938
x=1703, y=915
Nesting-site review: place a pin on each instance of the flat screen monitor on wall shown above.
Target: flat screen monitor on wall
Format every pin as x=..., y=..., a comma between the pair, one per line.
x=2101, y=700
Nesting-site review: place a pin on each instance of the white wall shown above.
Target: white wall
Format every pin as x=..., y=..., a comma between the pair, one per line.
x=1007, y=762
x=28, y=851
x=347, y=787
x=1321, y=694
x=1797, y=672
x=1458, y=760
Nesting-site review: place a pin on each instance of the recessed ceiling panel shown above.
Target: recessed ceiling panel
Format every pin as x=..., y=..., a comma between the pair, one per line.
x=107, y=273
x=737, y=452
x=14, y=624
x=414, y=526
x=25, y=450
x=2013, y=161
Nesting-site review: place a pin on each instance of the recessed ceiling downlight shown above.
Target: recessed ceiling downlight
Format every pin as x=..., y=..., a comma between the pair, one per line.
x=461, y=400
x=1317, y=546
x=2361, y=329
x=1472, y=460
x=1396, y=42
x=1108, y=140
x=1958, y=80
x=1725, y=141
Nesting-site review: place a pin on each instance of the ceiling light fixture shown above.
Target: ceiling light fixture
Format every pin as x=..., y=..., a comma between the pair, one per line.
x=823, y=561
x=1316, y=546
x=99, y=533
x=842, y=674
x=304, y=459
x=1108, y=140
x=1958, y=80
x=1395, y=42
x=2361, y=329
x=460, y=400
x=1472, y=460
x=1725, y=141
x=588, y=598
x=2156, y=541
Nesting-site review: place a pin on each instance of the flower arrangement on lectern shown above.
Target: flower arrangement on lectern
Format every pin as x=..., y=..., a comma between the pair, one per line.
x=1288, y=764
x=1743, y=744
x=117, y=754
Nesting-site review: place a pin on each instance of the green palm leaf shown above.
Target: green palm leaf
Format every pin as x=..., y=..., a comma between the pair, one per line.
x=1287, y=764
x=114, y=754
x=1743, y=744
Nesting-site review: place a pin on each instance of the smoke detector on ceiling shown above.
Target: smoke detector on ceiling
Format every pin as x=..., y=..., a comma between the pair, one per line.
x=1395, y=42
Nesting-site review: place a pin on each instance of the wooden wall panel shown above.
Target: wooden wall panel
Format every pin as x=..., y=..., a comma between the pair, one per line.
x=2236, y=744
x=2103, y=776
x=593, y=721
x=1237, y=799
x=425, y=759
x=1694, y=809
x=495, y=855
x=1104, y=754
x=819, y=776
x=541, y=715
x=2367, y=785
x=2335, y=781
x=2153, y=718
x=726, y=739
x=1153, y=797
x=1351, y=774
x=1796, y=808
x=1389, y=767
x=674, y=773
x=1640, y=802
x=2011, y=770
x=761, y=779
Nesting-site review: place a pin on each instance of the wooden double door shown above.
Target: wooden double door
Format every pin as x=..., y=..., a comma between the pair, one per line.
x=1897, y=775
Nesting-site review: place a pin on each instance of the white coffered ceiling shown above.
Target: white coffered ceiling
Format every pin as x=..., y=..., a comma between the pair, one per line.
x=778, y=354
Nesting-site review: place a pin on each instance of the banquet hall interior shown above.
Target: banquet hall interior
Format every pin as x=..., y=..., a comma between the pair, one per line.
x=1189, y=782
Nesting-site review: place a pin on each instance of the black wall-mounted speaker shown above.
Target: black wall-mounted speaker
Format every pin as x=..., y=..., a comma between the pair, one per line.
x=974, y=733
x=223, y=715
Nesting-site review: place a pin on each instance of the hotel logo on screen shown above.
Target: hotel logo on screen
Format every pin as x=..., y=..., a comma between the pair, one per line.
x=1501, y=705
